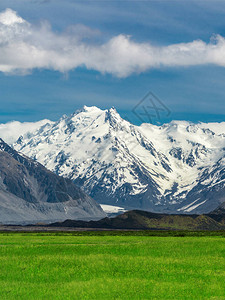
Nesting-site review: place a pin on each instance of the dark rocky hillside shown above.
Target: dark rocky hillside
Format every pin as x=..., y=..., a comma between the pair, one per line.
x=137, y=219
x=29, y=192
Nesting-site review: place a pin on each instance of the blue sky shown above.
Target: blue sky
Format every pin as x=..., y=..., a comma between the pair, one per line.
x=191, y=90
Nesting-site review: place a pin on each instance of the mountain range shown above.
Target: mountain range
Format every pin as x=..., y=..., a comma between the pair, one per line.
x=178, y=167
x=30, y=193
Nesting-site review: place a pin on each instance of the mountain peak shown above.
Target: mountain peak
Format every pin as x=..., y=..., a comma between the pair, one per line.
x=111, y=114
x=86, y=108
x=113, y=111
x=148, y=166
x=95, y=109
x=90, y=108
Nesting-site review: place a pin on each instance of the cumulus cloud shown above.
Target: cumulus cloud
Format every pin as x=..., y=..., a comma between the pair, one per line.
x=24, y=47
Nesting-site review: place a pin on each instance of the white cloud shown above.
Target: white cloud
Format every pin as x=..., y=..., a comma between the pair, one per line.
x=24, y=47
x=9, y=17
x=10, y=132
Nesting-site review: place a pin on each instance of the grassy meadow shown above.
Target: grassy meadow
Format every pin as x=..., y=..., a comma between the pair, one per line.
x=104, y=266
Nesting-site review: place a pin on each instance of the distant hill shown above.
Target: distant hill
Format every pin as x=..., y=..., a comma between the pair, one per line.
x=138, y=219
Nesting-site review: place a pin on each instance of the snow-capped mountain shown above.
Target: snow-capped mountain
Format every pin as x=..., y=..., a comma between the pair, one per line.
x=177, y=167
x=31, y=193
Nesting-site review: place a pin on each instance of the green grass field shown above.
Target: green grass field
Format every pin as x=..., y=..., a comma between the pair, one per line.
x=70, y=266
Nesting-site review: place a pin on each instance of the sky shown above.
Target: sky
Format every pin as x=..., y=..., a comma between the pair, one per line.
x=154, y=61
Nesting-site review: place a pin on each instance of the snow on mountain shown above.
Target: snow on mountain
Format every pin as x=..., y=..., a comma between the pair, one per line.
x=30, y=193
x=112, y=210
x=177, y=167
x=11, y=131
x=218, y=128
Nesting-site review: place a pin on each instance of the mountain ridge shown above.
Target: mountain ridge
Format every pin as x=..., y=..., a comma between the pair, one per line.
x=29, y=192
x=175, y=168
x=143, y=220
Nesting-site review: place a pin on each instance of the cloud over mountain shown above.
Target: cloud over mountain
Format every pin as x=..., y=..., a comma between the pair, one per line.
x=11, y=131
x=24, y=47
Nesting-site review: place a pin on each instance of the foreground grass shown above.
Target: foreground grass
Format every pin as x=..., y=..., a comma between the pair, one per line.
x=69, y=266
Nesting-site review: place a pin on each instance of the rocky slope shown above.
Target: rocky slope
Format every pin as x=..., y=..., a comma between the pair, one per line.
x=219, y=210
x=31, y=193
x=175, y=168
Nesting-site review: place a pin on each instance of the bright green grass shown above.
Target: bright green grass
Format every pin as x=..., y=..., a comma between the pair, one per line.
x=39, y=266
